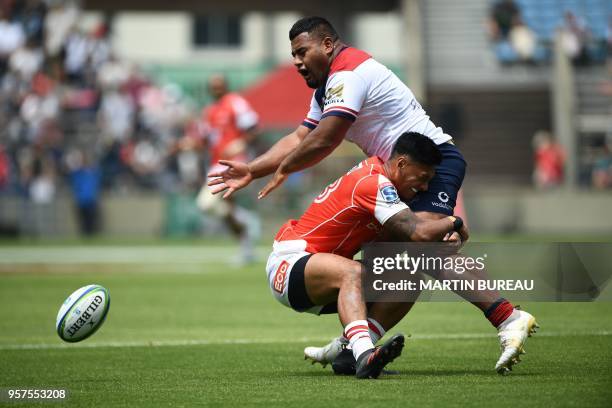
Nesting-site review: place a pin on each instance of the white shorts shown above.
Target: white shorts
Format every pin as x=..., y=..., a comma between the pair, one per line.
x=284, y=256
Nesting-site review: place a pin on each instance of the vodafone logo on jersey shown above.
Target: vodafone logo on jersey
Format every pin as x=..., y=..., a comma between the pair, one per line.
x=442, y=196
x=279, y=277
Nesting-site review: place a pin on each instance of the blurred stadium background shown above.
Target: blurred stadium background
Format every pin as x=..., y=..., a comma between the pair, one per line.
x=107, y=88
x=525, y=87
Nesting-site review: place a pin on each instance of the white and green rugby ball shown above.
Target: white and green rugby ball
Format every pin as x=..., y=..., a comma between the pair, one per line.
x=82, y=313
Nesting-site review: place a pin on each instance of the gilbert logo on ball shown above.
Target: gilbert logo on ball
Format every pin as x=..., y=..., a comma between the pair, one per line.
x=82, y=313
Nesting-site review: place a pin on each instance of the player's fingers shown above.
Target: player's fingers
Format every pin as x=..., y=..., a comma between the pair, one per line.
x=464, y=236
x=454, y=236
x=216, y=174
x=229, y=163
x=268, y=187
x=229, y=192
x=276, y=181
x=218, y=189
x=215, y=181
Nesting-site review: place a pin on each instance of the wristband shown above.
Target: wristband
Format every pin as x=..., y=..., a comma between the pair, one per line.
x=457, y=223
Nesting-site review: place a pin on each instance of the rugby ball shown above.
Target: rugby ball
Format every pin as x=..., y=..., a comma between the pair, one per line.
x=82, y=313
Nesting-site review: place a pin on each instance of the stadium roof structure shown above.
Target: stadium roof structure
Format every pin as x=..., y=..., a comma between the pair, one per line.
x=309, y=7
x=281, y=98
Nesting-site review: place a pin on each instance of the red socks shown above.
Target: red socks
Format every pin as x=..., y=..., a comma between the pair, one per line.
x=499, y=311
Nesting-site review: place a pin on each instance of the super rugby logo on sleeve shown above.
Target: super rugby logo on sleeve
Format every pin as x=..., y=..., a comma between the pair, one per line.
x=389, y=193
x=279, y=277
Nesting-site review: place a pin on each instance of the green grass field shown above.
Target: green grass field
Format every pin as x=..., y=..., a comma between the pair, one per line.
x=186, y=330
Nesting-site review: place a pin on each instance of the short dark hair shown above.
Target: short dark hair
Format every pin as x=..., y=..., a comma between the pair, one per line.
x=318, y=25
x=420, y=148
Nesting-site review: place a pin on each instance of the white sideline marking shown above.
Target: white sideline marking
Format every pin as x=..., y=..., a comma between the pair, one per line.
x=125, y=254
x=316, y=340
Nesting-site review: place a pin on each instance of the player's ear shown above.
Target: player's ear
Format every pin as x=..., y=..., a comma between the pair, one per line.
x=328, y=45
x=402, y=162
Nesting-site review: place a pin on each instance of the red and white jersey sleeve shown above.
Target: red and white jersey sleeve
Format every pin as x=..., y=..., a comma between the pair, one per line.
x=314, y=114
x=345, y=93
x=379, y=197
x=245, y=116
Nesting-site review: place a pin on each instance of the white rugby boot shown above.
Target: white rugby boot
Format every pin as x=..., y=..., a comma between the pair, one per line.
x=512, y=335
x=326, y=354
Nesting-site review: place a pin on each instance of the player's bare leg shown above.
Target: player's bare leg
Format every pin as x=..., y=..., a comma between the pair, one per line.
x=388, y=314
x=241, y=222
x=513, y=326
x=330, y=278
x=382, y=316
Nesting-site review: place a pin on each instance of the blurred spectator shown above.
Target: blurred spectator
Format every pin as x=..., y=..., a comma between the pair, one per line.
x=111, y=163
x=144, y=158
x=100, y=47
x=186, y=153
x=77, y=50
x=42, y=184
x=37, y=173
x=32, y=18
x=116, y=116
x=40, y=109
x=513, y=40
x=85, y=180
x=4, y=168
x=549, y=159
x=501, y=19
x=601, y=176
x=60, y=20
x=26, y=60
x=12, y=36
x=609, y=39
x=62, y=85
x=523, y=40
x=575, y=38
x=113, y=73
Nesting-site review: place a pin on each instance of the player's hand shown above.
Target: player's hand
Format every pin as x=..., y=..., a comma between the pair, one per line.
x=277, y=179
x=236, y=176
x=454, y=239
x=464, y=233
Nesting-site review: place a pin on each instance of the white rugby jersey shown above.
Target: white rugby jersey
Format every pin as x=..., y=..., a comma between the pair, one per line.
x=381, y=106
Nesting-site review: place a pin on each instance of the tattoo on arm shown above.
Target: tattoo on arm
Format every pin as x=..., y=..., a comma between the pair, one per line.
x=407, y=226
x=402, y=225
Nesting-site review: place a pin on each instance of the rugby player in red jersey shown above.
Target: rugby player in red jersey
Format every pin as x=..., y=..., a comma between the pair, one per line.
x=311, y=267
x=230, y=124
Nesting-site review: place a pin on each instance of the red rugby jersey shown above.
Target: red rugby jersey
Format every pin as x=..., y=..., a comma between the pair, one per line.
x=348, y=213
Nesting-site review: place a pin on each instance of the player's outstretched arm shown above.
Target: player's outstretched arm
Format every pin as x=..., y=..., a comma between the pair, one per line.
x=317, y=145
x=268, y=162
x=407, y=226
x=238, y=175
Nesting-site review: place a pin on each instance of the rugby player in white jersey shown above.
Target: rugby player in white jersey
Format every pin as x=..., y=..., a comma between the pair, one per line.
x=358, y=99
